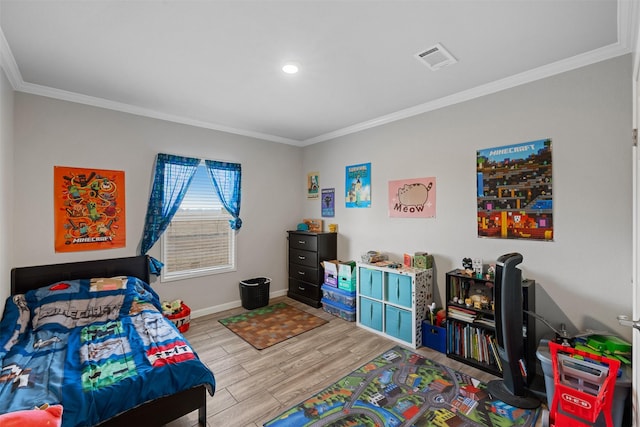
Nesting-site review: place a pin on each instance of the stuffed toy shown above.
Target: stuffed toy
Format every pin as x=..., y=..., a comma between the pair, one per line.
x=172, y=307
x=44, y=416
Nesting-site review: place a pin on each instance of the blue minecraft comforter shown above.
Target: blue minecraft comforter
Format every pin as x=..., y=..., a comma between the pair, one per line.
x=97, y=346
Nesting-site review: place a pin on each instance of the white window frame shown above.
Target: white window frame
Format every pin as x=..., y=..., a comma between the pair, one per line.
x=167, y=276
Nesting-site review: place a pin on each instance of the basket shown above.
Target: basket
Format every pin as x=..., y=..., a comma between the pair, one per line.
x=254, y=293
x=181, y=318
x=583, y=387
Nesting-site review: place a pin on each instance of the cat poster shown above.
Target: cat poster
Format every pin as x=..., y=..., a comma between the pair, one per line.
x=412, y=198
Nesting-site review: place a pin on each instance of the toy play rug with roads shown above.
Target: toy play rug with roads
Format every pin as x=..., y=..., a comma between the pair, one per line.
x=271, y=325
x=402, y=388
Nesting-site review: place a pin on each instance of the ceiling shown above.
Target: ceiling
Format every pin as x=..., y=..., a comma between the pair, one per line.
x=217, y=64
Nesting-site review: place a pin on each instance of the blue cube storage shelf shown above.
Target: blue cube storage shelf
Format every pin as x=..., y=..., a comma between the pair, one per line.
x=393, y=301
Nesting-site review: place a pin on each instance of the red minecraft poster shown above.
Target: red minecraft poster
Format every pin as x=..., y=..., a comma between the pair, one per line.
x=89, y=209
x=515, y=191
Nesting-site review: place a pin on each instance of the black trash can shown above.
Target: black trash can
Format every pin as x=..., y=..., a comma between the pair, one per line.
x=254, y=293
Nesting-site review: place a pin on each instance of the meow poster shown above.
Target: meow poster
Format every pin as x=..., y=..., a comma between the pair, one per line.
x=89, y=209
x=412, y=198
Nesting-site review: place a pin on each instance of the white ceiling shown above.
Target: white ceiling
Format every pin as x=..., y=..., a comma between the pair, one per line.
x=216, y=64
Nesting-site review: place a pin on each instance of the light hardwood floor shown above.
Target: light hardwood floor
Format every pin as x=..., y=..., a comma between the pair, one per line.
x=253, y=386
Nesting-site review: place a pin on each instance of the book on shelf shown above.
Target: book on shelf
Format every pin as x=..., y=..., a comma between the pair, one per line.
x=461, y=313
x=486, y=322
x=494, y=349
x=475, y=343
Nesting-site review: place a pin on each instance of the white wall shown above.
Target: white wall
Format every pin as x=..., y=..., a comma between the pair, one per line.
x=584, y=275
x=6, y=185
x=50, y=132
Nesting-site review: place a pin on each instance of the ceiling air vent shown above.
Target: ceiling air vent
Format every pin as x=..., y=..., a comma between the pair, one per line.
x=436, y=57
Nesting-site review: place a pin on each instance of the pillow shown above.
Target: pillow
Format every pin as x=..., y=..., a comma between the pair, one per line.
x=49, y=416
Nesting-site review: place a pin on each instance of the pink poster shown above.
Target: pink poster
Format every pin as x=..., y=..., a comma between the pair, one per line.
x=412, y=198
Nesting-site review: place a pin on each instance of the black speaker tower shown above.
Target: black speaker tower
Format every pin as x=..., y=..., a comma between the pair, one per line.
x=512, y=389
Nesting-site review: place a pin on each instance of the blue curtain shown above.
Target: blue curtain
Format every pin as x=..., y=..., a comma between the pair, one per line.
x=172, y=177
x=226, y=180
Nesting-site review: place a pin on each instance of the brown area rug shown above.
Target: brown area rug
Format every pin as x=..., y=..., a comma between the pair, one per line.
x=270, y=325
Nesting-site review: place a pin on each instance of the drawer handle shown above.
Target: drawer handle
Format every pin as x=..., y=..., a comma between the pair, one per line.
x=302, y=257
x=301, y=273
x=302, y=242
x=301, y=288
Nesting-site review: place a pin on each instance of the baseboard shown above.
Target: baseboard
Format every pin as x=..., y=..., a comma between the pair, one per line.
x=229, y=305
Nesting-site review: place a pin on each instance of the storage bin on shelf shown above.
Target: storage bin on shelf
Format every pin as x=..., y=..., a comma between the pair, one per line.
x=340, y=310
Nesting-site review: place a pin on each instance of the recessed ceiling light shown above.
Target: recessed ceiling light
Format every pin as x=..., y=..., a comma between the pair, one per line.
x=290, y=68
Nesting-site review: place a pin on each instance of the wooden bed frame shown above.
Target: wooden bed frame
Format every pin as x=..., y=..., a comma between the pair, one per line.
x=152, y=413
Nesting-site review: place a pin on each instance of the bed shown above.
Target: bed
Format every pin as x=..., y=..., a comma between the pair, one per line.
x=73, y=335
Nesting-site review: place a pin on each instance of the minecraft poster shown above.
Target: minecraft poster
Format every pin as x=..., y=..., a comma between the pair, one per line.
x=358, y=186
x=328, y=202
x=515, y=192
x=89, y=209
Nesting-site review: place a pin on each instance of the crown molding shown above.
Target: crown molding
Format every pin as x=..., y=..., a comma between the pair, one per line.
x=8, y=63
x=145, y=112
x=628, y=42
x=559, y=67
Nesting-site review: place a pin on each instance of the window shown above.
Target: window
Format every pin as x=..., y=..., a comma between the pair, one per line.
x=199, y=239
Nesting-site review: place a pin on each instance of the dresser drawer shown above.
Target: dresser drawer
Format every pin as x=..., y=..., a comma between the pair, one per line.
x=304, y=289
x=303, y=241
x=304, y=273
x=308, y=258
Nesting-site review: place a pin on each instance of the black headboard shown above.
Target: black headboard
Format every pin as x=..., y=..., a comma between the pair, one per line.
x=24, y=279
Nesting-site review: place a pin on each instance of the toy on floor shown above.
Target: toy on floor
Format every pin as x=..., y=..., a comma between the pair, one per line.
x=583, y=387
x=179, y=314
x=171, y=307
x=45, y=415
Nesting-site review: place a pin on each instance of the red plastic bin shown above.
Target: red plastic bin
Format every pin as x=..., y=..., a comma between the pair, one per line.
x=182, y=318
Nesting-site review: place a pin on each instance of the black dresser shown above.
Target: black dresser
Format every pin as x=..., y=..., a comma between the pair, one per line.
x=307, y=250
